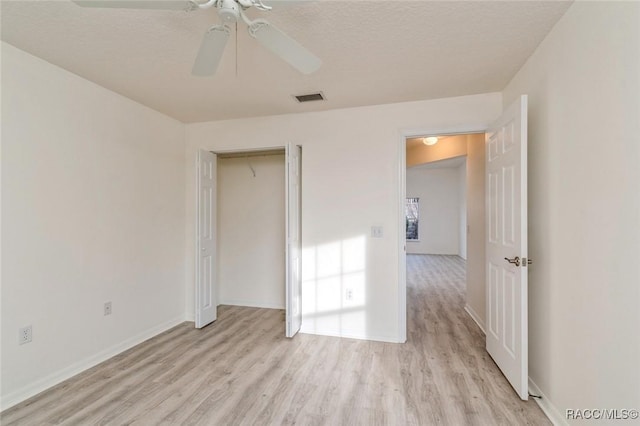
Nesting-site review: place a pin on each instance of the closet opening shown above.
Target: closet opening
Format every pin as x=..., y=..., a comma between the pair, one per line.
x=251, y=229
x=248, y=224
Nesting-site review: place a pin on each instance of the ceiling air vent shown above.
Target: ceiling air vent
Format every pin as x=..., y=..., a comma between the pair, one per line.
x=310, y=97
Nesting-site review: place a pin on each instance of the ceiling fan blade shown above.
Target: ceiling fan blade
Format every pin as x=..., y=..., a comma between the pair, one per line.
x=211, y=51
x=284, y=46
x=138, y=4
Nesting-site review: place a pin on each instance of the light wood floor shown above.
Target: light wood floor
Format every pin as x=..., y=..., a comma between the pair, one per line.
x=241, y=370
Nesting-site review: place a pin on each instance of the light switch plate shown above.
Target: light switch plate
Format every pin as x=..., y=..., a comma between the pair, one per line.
x=376, y=231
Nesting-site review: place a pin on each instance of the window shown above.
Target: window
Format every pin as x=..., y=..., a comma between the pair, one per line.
x=412, y=211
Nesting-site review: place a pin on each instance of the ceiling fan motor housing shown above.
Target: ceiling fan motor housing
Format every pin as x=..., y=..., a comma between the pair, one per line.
x=229, y=11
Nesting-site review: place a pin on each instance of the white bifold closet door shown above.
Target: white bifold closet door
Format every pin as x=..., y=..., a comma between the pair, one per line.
x=205, y=294
x=293, y=179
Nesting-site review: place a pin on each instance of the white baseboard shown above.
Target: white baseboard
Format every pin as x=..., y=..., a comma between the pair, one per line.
x=251, y=303
x=32, y=389
x=475, y=317
x=550, y=410
x=348, y=334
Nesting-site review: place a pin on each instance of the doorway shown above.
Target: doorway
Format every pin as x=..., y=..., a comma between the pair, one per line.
x=447, y=177
x=505, y=242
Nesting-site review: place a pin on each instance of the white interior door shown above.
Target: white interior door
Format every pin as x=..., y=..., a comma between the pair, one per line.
x=507, y=257
x=293, y=240
x=205, y=297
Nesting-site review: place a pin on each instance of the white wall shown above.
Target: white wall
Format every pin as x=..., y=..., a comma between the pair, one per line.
x=583, y=84
x=439, y=218
x=350, y=181
x=462, y=210
x=475, y=294
x=251, y=231
x=93, y=190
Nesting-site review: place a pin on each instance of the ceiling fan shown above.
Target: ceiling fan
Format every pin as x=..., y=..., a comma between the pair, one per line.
x=215, y=39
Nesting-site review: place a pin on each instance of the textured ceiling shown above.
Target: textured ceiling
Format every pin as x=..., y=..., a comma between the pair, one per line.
x=373, y=52
x=441, y=164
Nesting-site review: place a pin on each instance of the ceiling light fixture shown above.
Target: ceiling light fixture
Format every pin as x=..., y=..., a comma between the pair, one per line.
x=431, y=140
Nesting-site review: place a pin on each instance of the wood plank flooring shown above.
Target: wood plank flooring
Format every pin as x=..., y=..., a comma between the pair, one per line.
x=242, y=371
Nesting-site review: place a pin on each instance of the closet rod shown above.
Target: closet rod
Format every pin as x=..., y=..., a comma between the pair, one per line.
x=251, y=154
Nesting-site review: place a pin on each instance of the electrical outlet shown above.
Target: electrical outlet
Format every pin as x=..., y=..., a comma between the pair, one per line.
x=25, y=335
x=348, y=294
x=107, y=308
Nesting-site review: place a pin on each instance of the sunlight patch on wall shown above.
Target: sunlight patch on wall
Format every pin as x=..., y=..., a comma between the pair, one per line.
x=333, y=288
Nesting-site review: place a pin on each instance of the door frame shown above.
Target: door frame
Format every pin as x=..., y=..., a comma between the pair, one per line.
x=403, y=135
x=217, y=152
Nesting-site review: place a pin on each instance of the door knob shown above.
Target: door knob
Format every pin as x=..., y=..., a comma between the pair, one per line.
x=515, y=260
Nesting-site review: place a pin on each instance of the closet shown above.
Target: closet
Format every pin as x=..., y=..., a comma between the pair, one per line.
x=248, y=228
x=251, y=229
